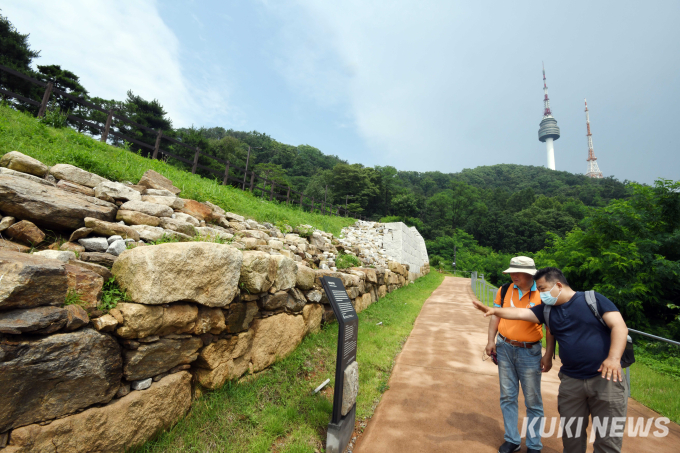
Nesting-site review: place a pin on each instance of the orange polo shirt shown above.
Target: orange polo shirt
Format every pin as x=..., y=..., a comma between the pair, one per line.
x=515, y=329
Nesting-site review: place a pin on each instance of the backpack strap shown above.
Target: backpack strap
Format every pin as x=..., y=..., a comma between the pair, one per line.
x=592, y=304
x=546, y=315
x=504, y=291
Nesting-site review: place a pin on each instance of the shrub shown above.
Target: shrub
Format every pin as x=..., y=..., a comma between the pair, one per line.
x=344, y=261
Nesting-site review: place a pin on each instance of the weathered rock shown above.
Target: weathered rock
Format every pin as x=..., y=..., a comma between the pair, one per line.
x=71, y=247
x=80, y=233
x=142, y=321
x=6, y=222
x=142, y=384
x=48, y=206
x=106, y=323
x=158, y=193
x=350, y=387
x=234, y=217
x=217, y=212
x=275, y=244
x=313, y=295
x=123, y=390
x=148, y=233
x=153, y=209
x=102, y=271
x=223, y=360
x=258, y=271
x=274, y=301
x=13, y=246
x=119, y=426
x=103, y=259
x=76, y=317
x=200, y=272
x=209, y=320
x=117, y=247
x=110, y=228
x=137, y=218
x=62, y=256
x=382, y=291
x=75, y=188
x=75, y=174
x=275, y=337
x=316, y=239
x=112, y=239
x=17, y=174
x=116, y=190
x=86, y=283
x=171, y=201
x=45, y=378
x=41, y=320
x=14, y=160
x=30, y=281
x=239, y=316
x=154, y=180
x=25, y=232
x=296, y=300
x=208, y=232
x=94, y=244
x=312, y=314
x=254, y=243
x=186, y=218
x=178, y=226
x=196, y=209
x=155, y=358
x=286, y=273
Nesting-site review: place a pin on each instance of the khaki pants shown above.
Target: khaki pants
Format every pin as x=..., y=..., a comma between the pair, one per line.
x=596, y=397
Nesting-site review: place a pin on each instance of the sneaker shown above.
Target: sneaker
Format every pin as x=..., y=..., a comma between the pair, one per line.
x=508, y=447
x=533, y=450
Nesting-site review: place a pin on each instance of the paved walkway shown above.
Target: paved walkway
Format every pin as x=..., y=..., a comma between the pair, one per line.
x=444, y=398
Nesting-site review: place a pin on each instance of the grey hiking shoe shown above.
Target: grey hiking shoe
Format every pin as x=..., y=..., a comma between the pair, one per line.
x=508, y=447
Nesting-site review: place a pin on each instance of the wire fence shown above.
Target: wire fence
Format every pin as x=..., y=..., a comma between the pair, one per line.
x=228, y=172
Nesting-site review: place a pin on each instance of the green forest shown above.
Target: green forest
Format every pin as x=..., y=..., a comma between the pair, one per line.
x=619, y=238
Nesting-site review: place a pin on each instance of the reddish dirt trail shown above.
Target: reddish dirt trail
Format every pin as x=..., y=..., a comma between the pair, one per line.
x=444, y=398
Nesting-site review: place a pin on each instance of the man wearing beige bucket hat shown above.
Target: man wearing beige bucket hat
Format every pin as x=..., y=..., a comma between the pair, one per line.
x=517, y=345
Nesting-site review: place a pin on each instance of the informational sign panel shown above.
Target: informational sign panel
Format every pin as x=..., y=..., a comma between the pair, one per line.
x=341, y=427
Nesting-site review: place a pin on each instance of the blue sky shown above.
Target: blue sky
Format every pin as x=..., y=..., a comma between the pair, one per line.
x=419, y=85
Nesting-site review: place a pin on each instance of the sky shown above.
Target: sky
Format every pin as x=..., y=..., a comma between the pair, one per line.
x=420, y=85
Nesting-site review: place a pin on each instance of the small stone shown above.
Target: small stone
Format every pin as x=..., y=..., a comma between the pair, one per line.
x=105, y=324
x=141, y=385
x=117, y=314
x=14, y=160
x=6, y=222
x=103, y=259
x=131, y=344
x=117, y=247
x=57, y=255
x=234, y=217
x=154, y=180
x=25, y=232
x=72, y=247
x=96, y=268
x=149, y=339
x=182, y=217
x=114, y=238
x=152, y=209
x=159, y=377
x=179, y=368
x=80, y=233
x=171, y=201
x=110, y=228
x=74, y=188
x=148, y=233
x=116, y=191
x=94, y=244
x=123, y=390
x=76, y=317
x=159, y=193
x=75, y=174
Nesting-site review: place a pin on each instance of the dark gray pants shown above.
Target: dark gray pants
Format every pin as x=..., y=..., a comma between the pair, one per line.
x=596, y=397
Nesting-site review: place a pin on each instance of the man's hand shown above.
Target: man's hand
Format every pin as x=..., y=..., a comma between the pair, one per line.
x=490, y=347
x=611, y=368
x=546, y=363
x=488, y=311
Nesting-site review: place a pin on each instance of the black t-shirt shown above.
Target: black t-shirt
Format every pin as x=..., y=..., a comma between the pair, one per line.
x=584, y=340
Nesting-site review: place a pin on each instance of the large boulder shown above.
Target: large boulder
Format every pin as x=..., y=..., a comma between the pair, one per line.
x=155, y=358
x=76, y=175
x=154, y=180
x=286, y=273
x=200, y=272
x=116, y=190
x=49, y=206
x=258, y=272
x=111, y=229
x=223, y=360
x=118, y=426
x=30, y=281
x=49, y=377
x=275, y=337
x=141, y=321
x=39, y=320
x=14, y=160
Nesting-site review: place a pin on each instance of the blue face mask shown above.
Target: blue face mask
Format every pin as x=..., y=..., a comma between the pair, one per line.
x=548, y=298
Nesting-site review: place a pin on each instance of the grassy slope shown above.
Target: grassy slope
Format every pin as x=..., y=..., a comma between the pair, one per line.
x=21, y=132
x=276, y=410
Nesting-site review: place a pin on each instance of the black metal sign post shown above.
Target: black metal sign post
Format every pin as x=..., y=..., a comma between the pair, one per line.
x=341, y=427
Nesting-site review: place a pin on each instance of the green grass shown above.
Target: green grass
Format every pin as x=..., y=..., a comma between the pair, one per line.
x=276, y=410
x=24, y=133
x=658, y=391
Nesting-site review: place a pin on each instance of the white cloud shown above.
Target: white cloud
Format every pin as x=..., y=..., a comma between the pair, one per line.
x=114, y=47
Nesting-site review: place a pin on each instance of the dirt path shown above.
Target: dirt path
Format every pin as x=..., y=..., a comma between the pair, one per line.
x=444, y=398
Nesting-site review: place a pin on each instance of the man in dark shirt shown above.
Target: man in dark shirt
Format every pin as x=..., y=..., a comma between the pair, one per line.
x=591, y=378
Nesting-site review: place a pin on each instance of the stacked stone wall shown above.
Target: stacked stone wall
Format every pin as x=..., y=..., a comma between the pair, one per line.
x=227, y=296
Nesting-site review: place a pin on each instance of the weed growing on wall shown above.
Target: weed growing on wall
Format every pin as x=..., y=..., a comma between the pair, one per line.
x=73, y=298
x=111, y=295
x=344, y=261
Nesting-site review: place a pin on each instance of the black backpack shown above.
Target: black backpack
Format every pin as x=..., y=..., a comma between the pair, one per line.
x=628, y=357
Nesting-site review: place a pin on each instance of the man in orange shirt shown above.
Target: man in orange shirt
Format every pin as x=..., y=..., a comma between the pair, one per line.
x=518, y=350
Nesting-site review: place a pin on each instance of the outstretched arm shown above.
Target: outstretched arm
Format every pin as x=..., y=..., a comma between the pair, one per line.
x=611, y=367
x=522, y=314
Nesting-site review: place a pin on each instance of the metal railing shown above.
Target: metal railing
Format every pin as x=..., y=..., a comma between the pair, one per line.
x=486, y=293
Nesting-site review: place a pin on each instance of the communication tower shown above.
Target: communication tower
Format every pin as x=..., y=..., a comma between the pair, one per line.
x=593, y=168
x=548, y=131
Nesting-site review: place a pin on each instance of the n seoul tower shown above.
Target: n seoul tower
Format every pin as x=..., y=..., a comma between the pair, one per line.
x=548, y=131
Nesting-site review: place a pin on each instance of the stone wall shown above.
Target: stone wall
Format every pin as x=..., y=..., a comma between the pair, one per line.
x=226, y=297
